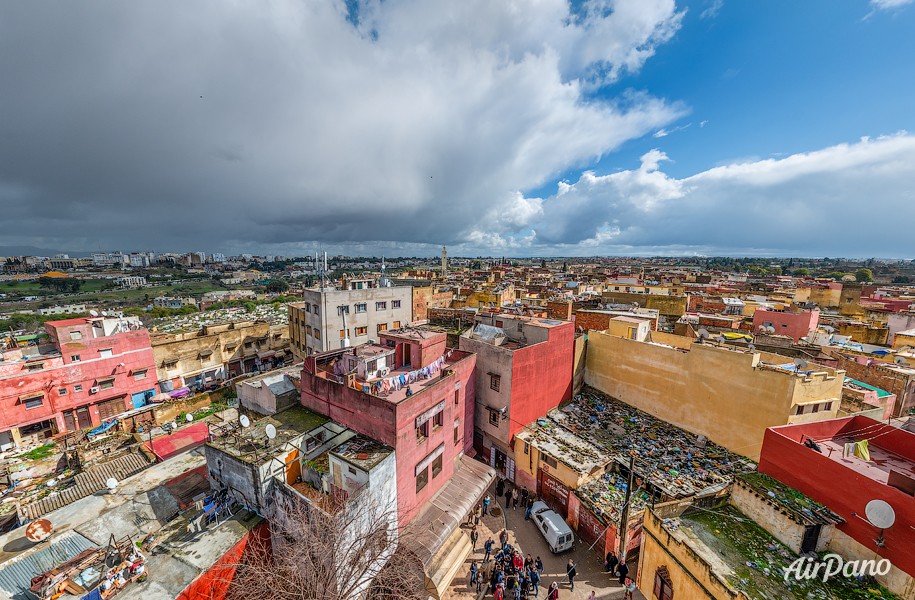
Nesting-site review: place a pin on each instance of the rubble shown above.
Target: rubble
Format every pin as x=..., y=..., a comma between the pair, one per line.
x=274, y=314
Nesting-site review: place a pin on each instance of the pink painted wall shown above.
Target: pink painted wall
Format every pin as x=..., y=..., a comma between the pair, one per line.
x=793, y=324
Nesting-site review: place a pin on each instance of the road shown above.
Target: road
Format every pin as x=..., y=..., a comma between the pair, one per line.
x=527, y=537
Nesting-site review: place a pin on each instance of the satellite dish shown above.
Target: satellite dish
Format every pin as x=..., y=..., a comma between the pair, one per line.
x=38, y=530
x=880, y=514
x=188, y=417
x=751, y=347
x=703, y=333
x=801, y=363
x=270, y=430
x=93, y=312
x=244, y=421
x=900, y=360
x=829, y=329
x=111, y=484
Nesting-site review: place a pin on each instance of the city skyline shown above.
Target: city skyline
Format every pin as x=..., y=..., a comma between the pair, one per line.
x=704, y=128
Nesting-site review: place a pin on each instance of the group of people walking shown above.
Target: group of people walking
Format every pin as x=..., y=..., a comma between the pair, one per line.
x=506, y=573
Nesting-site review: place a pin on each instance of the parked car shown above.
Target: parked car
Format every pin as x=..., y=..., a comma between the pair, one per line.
x=555, y=530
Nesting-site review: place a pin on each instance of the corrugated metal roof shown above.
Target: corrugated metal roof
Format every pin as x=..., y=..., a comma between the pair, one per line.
x=16, y=574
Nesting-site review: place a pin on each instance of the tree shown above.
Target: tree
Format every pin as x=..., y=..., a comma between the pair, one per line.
x=837, y=275
x=902, y=279
x=60, y=284
x=802, y=272
x=277, y=286
x=863, y=275
x=339, y=551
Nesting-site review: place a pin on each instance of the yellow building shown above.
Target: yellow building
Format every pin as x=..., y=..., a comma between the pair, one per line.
x=726, y=394
x=558, y=452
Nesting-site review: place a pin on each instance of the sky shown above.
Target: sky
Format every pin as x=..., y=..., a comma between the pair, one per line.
x=516, y=128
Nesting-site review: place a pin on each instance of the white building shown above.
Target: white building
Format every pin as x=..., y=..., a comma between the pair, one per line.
x=63, y=310
x=329, y=319
x=131, y=282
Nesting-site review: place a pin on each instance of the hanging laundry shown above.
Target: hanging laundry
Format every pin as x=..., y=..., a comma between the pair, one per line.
x=862, y=451
x=848, y=450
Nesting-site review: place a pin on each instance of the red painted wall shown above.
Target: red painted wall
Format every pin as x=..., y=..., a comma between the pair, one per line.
x=793, y=324
x=541, y=377
x=214, y=584
x=131, y=352
x=395, y=424
x=842, y=489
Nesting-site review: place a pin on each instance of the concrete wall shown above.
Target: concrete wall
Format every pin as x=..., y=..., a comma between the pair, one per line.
x=897, y=322
x=882, y=375
x=712, y=391
x=669, y=306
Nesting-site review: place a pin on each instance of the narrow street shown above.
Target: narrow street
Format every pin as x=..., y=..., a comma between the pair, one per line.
x=525, y=535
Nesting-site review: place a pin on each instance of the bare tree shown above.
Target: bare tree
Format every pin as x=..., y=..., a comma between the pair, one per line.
x=327, y=550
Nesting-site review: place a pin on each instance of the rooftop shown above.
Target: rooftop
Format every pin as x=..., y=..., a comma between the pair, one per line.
x=251, y=444
x=362, y=451
x=749, y=559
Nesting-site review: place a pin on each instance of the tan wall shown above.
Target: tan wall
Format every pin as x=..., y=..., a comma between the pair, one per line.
x=669, y=306
x=578, y=364
x=897, y=581
x=774, y=519
x=692, y=578
x=707, y=390
x=900, y=340
x=530, y=464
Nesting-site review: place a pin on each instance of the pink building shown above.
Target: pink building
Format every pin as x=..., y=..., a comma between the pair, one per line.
x=91, y=370
x=783, y=322
x=407, y=391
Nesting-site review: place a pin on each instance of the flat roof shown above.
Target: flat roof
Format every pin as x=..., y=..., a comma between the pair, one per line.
x=251, y=444
x=362, y=451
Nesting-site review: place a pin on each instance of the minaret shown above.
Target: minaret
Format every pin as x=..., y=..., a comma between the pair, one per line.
x=444, y=263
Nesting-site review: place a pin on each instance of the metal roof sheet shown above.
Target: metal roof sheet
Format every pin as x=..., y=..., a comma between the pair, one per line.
x=16, y=574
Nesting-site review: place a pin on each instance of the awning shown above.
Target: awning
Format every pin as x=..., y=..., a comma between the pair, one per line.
x=266, y=354
x=180, y=392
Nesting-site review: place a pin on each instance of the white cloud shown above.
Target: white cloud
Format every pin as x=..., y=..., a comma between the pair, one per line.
x=831, y=201
x=229, y=123
x=889, y=4
x=711, y=11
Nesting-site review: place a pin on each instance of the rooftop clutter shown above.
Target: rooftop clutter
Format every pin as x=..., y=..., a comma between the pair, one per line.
x=669, y=462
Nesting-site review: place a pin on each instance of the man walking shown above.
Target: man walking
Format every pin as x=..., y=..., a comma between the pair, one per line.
x=514, y=499
x=474, y=536
x=508, y=498
x=571, y=572
x=553, y=594
x=487, y=548
x=535, y=581
x=611, y=562
x=486, y=502
x=473, y=572
x=623, y=571
x=503, y=539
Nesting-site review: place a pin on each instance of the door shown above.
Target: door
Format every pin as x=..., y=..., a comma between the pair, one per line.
x=83, y=419
x=811, y=537
x=109, y=408
x=139, y=399
x=293, y=467
x=69, y=420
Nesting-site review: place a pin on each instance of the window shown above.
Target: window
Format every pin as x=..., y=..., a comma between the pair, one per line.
x=438, y=420
x=495, y=382
x=494, y=417
x=395, y=303
x=527, y=448
x=827, y=406
x=76, y=335
x=308, y=350
x=61, y=391
x=75, y=358
x=382, y=327
x=308, y=330
x=422, y=432
x=499, y=324
x=105, y=353
x=138, y=375
x=362, y=331
x=77, y=388
x=663, y=587
x=361, y=307
x=33, y=401
x=381, y=306
x=307, y=307
x=457, y=429
x=396, y=325
x=35, y=366
x=106, y=384
x=342, y=333
x=422, y=478
x=317, y=333
x=317, y=310
x=351, y=470
x=457, y=397
x=551, y=462
x=437, y=466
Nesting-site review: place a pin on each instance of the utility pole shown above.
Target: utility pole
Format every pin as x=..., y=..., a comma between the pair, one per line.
x=624, y=518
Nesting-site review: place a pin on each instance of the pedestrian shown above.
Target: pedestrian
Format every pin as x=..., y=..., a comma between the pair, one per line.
x=611, y=562
x=499, y=594
x=481, y=578
x=527, y=511
x=629, y=586
x=571, y=572
x=553, y=594
x=518, y=561
x=524, y=496
x=539, y=564
x=477, y=514
x=500, y=488
x=503, y=539
x=473, y=572
x=515, y=499
x=535, y=581
x=528, y=562
x=517, y=592
x=487, y=548
x=592, y=595
x=623, y=570
x=508, y=498
x=486, y=502
x=474, y=536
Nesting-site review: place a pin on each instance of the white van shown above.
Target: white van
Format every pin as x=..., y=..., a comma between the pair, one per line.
x=555, y=530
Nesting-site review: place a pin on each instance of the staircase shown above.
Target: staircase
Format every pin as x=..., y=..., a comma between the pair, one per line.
x=85, y=484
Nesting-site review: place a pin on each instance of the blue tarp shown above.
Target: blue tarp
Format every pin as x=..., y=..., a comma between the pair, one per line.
x=180, y=392
x=103, y=428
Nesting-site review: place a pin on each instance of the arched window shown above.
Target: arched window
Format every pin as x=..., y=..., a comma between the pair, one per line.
x=663, y=588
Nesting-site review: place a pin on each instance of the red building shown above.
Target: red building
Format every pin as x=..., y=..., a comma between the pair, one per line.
x=845, y=484
x=782, y=322
x=408, y=392
x=524, y=369
x=92, y=369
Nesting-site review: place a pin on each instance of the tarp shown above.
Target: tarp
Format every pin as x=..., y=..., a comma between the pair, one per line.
x=103, y=428
x=180, y=392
